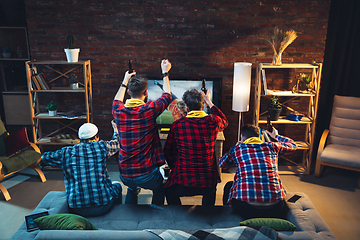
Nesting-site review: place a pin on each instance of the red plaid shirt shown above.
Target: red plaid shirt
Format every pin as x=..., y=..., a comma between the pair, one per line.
x=190, y=150
x=140, y=147
x=257, y=178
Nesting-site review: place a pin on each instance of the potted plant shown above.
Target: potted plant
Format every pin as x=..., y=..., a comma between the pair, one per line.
x=73, y=81
x=305, y=82
x=274, y=108
x=72, y=53
x=52, y=107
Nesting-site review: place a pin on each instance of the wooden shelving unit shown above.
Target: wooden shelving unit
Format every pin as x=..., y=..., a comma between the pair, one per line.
x=310, y=117
x=37, y=116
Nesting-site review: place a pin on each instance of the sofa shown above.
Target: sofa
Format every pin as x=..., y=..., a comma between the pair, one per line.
x=16, y=154
x=126, y=221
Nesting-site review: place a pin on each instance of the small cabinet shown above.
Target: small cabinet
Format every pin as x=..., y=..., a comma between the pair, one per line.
x=260, y=112
x=63, y=130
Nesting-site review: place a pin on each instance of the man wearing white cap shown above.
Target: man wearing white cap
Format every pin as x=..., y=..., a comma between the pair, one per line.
x=89, y=189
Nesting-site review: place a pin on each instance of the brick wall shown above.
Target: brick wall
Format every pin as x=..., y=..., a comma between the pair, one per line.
x=201, y=39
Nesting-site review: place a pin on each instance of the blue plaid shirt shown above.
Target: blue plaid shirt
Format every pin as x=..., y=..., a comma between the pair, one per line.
x=86, y=179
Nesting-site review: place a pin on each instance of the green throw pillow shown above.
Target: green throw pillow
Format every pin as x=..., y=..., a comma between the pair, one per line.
x=64, y=221
x=274, y=223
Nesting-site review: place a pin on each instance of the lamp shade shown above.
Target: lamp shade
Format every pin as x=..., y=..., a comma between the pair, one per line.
x=241, y=86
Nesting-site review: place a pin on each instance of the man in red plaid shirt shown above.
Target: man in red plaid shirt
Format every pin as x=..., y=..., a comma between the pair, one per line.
x=190, y=151
x=256, y=190
x=141, y=152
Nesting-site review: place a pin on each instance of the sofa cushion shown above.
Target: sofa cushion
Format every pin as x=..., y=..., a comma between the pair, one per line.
x=16, y=141
x=20, y=160
x=274, y=223
x=345, y=121
x=341, y=154
x=65, y=221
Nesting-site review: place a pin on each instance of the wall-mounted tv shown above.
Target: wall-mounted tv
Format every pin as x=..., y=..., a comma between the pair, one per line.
x=178, y=87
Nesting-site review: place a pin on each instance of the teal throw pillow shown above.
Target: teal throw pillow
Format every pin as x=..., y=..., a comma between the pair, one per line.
x=64, y=221
x=274, y=223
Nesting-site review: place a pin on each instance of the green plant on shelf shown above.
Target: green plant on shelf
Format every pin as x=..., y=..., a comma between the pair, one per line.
x=305, y=78
x=52, y=106
x=274, y=103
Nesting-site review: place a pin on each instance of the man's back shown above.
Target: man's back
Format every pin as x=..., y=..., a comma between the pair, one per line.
x=140, y=146
x=84, y=166
x=257, y=178
x=190, y=148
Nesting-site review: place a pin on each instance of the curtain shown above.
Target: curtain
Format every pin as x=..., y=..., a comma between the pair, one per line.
x=341, y=69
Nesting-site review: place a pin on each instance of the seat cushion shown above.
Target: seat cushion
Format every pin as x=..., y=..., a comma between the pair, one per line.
x=345, y=121
x=341, y=154
x=20, y=160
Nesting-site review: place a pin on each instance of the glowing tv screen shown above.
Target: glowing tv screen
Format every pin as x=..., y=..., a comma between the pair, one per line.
x=178, y=87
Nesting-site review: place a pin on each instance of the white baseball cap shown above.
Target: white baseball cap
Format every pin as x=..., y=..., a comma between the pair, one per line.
x=87, y=130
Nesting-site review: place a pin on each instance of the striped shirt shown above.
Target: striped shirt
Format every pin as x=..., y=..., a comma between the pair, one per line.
x=140, y=147
x=257, y=178
x=86, y=179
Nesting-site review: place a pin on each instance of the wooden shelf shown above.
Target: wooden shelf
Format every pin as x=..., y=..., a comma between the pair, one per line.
x=311, y=114
x=290, y=65
x=47, y=141
x=63, y=90
x=283, y=120
x=64, y=124
x=46, y=116
x=280, y=94
x=302, y=145
x=57, y=62
x=14, y=59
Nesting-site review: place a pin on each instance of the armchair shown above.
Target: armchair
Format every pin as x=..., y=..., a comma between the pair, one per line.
x=16, y=154
x=339, y=145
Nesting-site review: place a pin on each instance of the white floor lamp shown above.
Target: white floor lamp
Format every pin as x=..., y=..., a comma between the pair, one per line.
x=241, y=89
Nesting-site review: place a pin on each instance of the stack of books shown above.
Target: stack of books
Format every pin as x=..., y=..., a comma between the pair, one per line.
x=39, y=82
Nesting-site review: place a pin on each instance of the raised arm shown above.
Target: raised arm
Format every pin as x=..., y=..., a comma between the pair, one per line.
x=122, y=89
x=207, y=98
x=165, y=68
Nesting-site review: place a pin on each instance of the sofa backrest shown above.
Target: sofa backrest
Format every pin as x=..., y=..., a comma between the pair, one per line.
x=345, y=121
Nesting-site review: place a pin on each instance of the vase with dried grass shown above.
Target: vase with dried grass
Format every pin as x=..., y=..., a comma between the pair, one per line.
x=279, y=42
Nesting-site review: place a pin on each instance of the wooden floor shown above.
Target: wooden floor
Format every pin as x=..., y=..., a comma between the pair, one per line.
x=336, y=196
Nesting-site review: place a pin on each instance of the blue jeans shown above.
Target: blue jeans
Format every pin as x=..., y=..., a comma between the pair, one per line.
x=152, y=181
x=100, y=210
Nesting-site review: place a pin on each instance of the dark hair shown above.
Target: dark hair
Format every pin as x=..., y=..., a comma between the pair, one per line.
x=137, y=86
x=193, y=99
x=249, y=130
